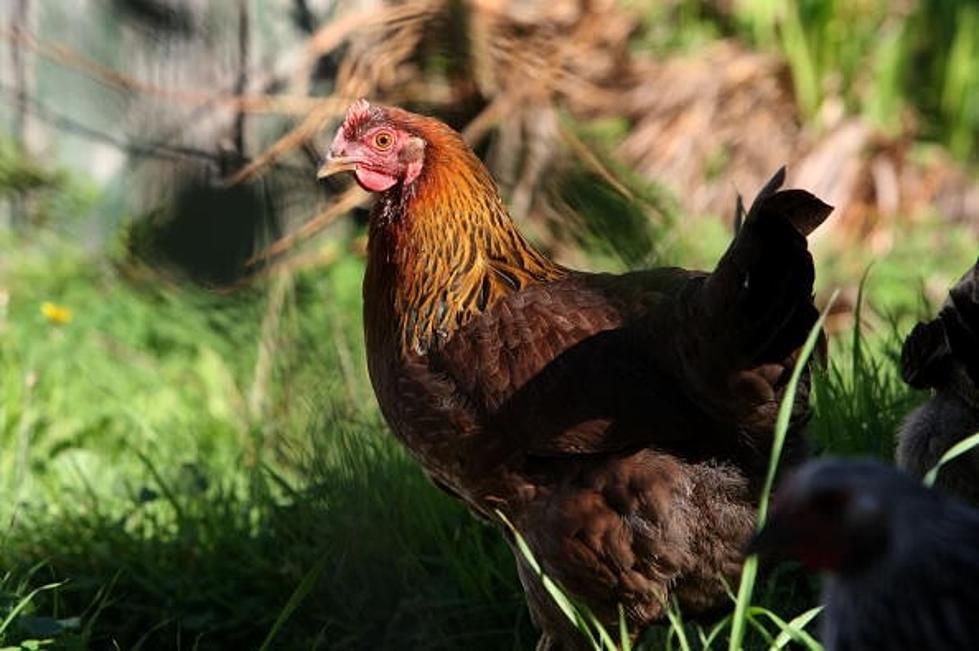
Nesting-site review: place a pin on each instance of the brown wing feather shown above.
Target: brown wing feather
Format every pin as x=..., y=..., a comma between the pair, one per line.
x=580, y=366
x=684, y=361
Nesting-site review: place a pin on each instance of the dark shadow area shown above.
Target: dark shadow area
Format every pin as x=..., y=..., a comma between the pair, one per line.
x=209, y=232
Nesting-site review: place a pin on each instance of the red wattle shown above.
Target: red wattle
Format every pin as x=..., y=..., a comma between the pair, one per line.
x=374, y=181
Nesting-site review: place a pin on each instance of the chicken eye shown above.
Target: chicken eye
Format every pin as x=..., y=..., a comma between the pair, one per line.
x=383, y=140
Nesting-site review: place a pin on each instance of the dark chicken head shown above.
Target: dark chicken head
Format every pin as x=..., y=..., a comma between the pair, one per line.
x=836, y=515
x=377, y=147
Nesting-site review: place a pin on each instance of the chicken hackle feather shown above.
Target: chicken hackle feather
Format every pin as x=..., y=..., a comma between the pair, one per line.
x=621, y=422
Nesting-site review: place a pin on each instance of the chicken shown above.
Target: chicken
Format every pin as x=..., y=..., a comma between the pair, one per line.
x=621, y=422
x=902, y=560
x=943, y=355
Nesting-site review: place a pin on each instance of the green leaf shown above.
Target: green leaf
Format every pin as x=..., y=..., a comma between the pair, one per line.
x=956, y=450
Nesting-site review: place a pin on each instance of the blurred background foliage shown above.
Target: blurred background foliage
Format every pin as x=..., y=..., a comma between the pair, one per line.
x=190, y=454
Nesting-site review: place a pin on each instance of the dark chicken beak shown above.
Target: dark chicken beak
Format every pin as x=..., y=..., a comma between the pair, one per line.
x=335, y=164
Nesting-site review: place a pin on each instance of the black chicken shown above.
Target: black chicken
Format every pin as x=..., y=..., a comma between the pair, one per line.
x=902, y=560
x=943, y=355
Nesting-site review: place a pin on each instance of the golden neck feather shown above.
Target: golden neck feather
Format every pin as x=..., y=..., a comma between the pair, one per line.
x=444, y=249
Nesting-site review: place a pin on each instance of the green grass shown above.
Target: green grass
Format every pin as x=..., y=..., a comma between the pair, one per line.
x=166, y=487
x=742, y=616
x=879, y=58
x=189, y=469
x=184, y=494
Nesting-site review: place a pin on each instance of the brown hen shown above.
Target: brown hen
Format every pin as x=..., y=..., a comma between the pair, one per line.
x=621, y=422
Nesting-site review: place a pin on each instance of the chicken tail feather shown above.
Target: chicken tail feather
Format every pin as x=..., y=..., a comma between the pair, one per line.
x=759, y=298
x=933, y=348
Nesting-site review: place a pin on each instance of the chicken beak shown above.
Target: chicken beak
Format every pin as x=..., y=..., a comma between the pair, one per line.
x=335, y=164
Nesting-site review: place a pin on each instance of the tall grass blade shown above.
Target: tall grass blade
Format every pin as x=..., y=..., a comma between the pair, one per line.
x=624, y=639
x=956, y=450
x=707, y=641
x=23, y=603
x=750, y=571
x=884, y=101
x=676, y=626
x=603, y=635
x=958, y=99
x=758, y=626
x=581, y=617
x=805, y=70
x=793, y=630
x=857, y=360
x=295, y=599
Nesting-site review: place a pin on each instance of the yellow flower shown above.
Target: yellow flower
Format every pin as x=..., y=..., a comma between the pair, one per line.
x=56, y=314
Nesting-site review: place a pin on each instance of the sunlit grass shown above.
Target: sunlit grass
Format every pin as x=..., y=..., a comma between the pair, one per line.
x=879, y=59
x=133, y=470
x=136, y=476
x=182, y=468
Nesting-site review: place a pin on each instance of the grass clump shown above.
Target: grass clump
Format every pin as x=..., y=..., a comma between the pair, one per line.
x=169, y=488
x=174, y=490
x=873, y=58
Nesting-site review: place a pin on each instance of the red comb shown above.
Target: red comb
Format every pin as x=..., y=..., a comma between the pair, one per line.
x=358, y=113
